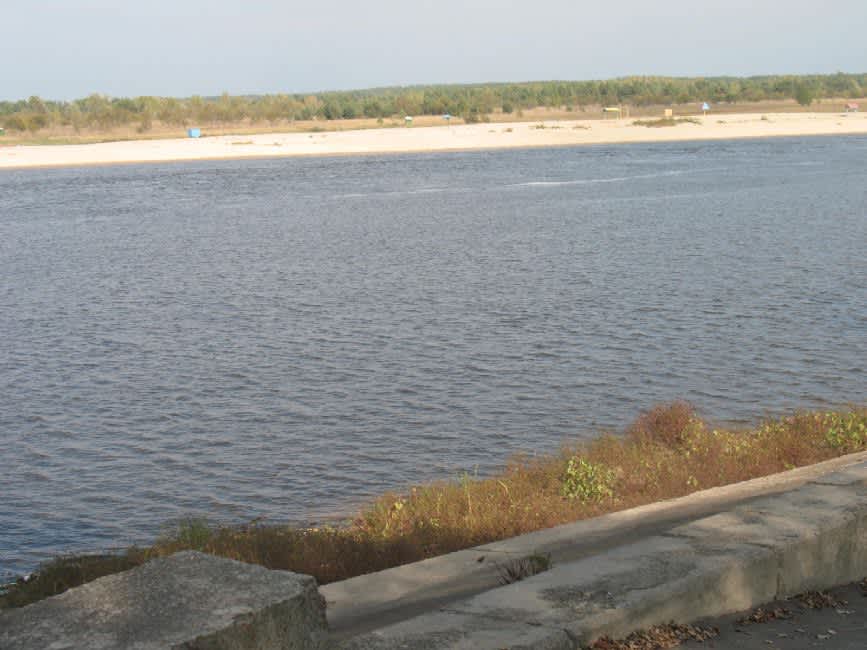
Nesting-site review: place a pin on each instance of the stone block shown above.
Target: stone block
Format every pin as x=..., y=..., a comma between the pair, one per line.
x=188, y=601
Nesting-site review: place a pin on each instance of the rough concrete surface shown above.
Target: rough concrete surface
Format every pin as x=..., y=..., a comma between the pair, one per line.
x=462, y=632
x=811, y=537
x=189, y=601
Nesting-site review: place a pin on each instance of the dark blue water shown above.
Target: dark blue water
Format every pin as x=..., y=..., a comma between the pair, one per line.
x=284, y=338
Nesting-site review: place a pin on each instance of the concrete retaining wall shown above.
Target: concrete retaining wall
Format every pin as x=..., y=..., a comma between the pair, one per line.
x=809, y=538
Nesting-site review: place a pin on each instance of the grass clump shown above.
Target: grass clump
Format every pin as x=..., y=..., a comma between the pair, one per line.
x=666, y=121
x=524, y=567
x=667, y=452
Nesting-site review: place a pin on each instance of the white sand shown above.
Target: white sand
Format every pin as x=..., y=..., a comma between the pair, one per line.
x=442, y=138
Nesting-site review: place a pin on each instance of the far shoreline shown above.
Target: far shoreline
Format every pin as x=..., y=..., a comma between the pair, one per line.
x=433, y=139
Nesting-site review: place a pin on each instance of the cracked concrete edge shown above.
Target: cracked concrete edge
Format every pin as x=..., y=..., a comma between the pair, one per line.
x=812, y=537
x=368, y=595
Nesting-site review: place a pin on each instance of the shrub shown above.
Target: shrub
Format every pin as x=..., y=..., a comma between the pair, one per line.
x=805, y=94
x=845, y=431
x=669, y=424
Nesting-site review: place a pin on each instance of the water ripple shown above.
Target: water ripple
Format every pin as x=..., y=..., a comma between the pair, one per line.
x=285, y=338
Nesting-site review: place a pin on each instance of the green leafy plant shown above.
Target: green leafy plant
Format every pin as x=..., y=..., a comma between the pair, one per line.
x=846, y=431
x=587, y=482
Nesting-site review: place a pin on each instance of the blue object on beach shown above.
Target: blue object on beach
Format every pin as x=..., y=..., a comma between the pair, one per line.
x=194, y=133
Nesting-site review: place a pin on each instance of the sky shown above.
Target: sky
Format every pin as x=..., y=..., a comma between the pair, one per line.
x=64, y=49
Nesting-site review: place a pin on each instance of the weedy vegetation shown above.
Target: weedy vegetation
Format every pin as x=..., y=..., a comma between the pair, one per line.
x=667, y=452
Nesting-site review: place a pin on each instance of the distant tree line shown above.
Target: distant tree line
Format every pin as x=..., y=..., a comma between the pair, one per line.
x=471, y=102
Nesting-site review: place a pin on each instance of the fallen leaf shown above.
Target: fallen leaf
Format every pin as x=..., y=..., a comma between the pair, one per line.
x=819, y=600
x=658, y=637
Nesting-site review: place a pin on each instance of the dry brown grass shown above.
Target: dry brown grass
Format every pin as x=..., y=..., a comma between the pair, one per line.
x=666, y=121
x=667, y=452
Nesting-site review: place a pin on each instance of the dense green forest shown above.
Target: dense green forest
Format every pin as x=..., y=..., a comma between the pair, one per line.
x=471, y=102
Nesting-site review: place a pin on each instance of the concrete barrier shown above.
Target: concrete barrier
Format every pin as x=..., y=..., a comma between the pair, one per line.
x=189, y=600
x=811, y=537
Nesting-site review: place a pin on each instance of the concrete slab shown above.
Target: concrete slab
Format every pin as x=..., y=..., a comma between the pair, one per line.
x=655, y=580
x=818, y=534
x=189, y=600
x=849, y=476
x=365, y=601
x=448, y=631
x=610, y=594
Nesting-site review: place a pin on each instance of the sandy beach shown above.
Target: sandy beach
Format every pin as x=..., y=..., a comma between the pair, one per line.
x=432, y=139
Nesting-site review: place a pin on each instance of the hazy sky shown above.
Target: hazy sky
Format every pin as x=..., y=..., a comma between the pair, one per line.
x=62, y=49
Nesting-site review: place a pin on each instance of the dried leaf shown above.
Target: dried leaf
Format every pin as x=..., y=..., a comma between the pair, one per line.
x=659, y=637
x=819, y=600
x=762, y=615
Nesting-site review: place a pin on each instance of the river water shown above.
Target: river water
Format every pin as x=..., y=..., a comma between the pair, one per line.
x=284, y=338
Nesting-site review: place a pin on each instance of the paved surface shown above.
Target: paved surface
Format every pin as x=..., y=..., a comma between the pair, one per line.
x=840, y=627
